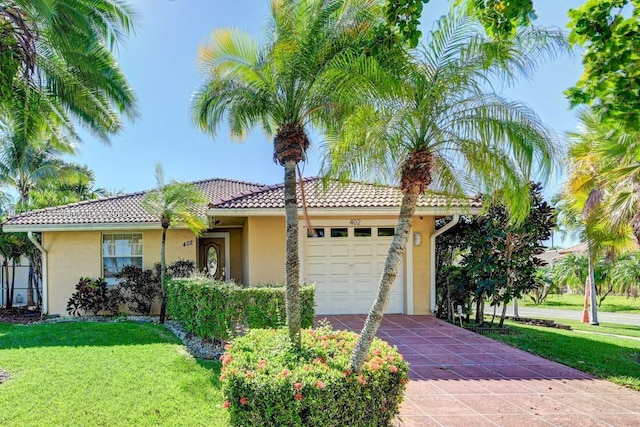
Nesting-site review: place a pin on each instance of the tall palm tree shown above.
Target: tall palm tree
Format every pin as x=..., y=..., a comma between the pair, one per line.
x=75, y=184
x=62, y=50
x=173, y=203
x=583, y=197
x=620, y=151
x=448, y=129
x=287, y=86
x=29, y=155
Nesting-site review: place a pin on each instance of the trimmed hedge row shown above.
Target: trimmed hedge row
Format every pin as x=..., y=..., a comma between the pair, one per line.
x=267, y=382
x=219, y=310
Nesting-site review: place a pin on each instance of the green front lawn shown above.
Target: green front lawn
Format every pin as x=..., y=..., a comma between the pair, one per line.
x=104, y=374
x=611, y=304
x=612, y=358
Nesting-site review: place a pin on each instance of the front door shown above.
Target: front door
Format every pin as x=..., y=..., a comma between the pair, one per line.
x=211, y=258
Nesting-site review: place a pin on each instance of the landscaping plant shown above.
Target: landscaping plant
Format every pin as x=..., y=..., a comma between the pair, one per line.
x=138, y=288
x=220, y=311
x=93, y=296
x=269, y=382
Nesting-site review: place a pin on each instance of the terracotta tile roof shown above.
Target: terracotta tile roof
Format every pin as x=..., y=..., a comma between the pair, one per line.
x=230, y=194
x=126, y=208
x=354, y=194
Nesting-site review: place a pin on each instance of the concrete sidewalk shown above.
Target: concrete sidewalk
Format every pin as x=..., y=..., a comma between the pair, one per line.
x=459, y=378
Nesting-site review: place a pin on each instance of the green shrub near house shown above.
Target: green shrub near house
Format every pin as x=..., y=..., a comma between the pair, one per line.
x=219, y=310
x=268, y=382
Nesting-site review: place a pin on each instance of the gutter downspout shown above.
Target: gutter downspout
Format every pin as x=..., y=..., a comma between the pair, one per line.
x=45, y=284
x=432, y=259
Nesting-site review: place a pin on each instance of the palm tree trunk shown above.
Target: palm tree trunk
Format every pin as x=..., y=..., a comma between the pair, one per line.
x=388, y=278
x=163, y=273
x=592, y=286
x=292, y=267
x=5, y=268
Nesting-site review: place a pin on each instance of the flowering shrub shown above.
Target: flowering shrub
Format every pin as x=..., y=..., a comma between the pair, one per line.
x=93, y=296
x=219, y=310
x=267, y=382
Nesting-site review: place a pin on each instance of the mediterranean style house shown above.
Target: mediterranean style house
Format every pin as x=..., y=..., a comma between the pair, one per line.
x=344, y=241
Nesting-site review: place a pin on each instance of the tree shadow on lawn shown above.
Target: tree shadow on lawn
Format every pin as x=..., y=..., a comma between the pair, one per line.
x=80, y=334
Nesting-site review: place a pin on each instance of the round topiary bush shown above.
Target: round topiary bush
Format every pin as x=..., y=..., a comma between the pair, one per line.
x=267, y=382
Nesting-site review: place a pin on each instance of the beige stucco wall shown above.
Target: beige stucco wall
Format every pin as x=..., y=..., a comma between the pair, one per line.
x=257, y=256
x=75, y=254
x=421, y=266
x=236, y=247
x=264, y=250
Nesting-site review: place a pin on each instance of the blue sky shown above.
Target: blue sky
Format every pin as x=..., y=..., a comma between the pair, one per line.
x=160, y=63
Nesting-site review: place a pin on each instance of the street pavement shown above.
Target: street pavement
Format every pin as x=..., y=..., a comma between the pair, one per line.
x=558, y=314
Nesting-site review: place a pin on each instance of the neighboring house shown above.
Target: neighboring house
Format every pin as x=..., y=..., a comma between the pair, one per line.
x=554, y=255
x=353, y=225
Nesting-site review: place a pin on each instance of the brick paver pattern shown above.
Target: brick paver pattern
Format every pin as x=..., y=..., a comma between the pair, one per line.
x=460, y=378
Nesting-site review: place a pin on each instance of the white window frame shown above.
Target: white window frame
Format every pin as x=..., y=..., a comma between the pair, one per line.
x=113, y=280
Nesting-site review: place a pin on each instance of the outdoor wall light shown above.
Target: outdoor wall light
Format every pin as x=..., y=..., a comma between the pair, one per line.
x=417, y=238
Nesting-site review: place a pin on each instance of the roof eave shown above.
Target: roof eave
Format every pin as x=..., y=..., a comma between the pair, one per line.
x=17, y=228
x=390, y=211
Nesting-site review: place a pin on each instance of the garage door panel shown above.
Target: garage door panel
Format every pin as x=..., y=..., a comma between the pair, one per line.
x=382, y=249
x=316, y=268
x=315, y=251
x=339, y=250
x=364, y=269
x=346, y=271
x=338, y=268
x=363, y=249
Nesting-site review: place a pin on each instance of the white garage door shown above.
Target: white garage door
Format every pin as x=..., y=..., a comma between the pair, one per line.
x=345, y=263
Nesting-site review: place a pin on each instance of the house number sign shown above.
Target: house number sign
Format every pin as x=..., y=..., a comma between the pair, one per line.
x=187, y=243
x=355, y=222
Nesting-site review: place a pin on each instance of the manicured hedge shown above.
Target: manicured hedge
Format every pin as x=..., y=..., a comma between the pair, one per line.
x=212, y=309
x=266, y=382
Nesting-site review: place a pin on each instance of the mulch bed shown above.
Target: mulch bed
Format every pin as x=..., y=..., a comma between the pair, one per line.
x=20, y=315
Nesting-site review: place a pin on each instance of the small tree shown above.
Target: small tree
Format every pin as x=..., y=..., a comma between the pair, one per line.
x=506, y=251
x=172, y=204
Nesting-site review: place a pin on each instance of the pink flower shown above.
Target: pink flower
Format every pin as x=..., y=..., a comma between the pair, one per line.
x=226, y=404
x=298, y=397
x=223, y=377
x=393, y=369
x=374, y=366
x=227, y=346
x=362, y=380
x=262, y=364
x=297, y=386
x=320, y=384
x=286, y=373
x=250, y=374
x=243, y=400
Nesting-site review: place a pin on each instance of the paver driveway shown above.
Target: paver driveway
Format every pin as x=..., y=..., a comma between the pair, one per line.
x=459, y=378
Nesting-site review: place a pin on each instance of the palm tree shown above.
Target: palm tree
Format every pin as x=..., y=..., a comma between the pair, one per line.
x=76, y=183
x=449, y=129
x=61, y=50
x=583, y=198
x=625, y=278
x=287, y=86
x=620, y=153
x=29, y=155
x=173, y=203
